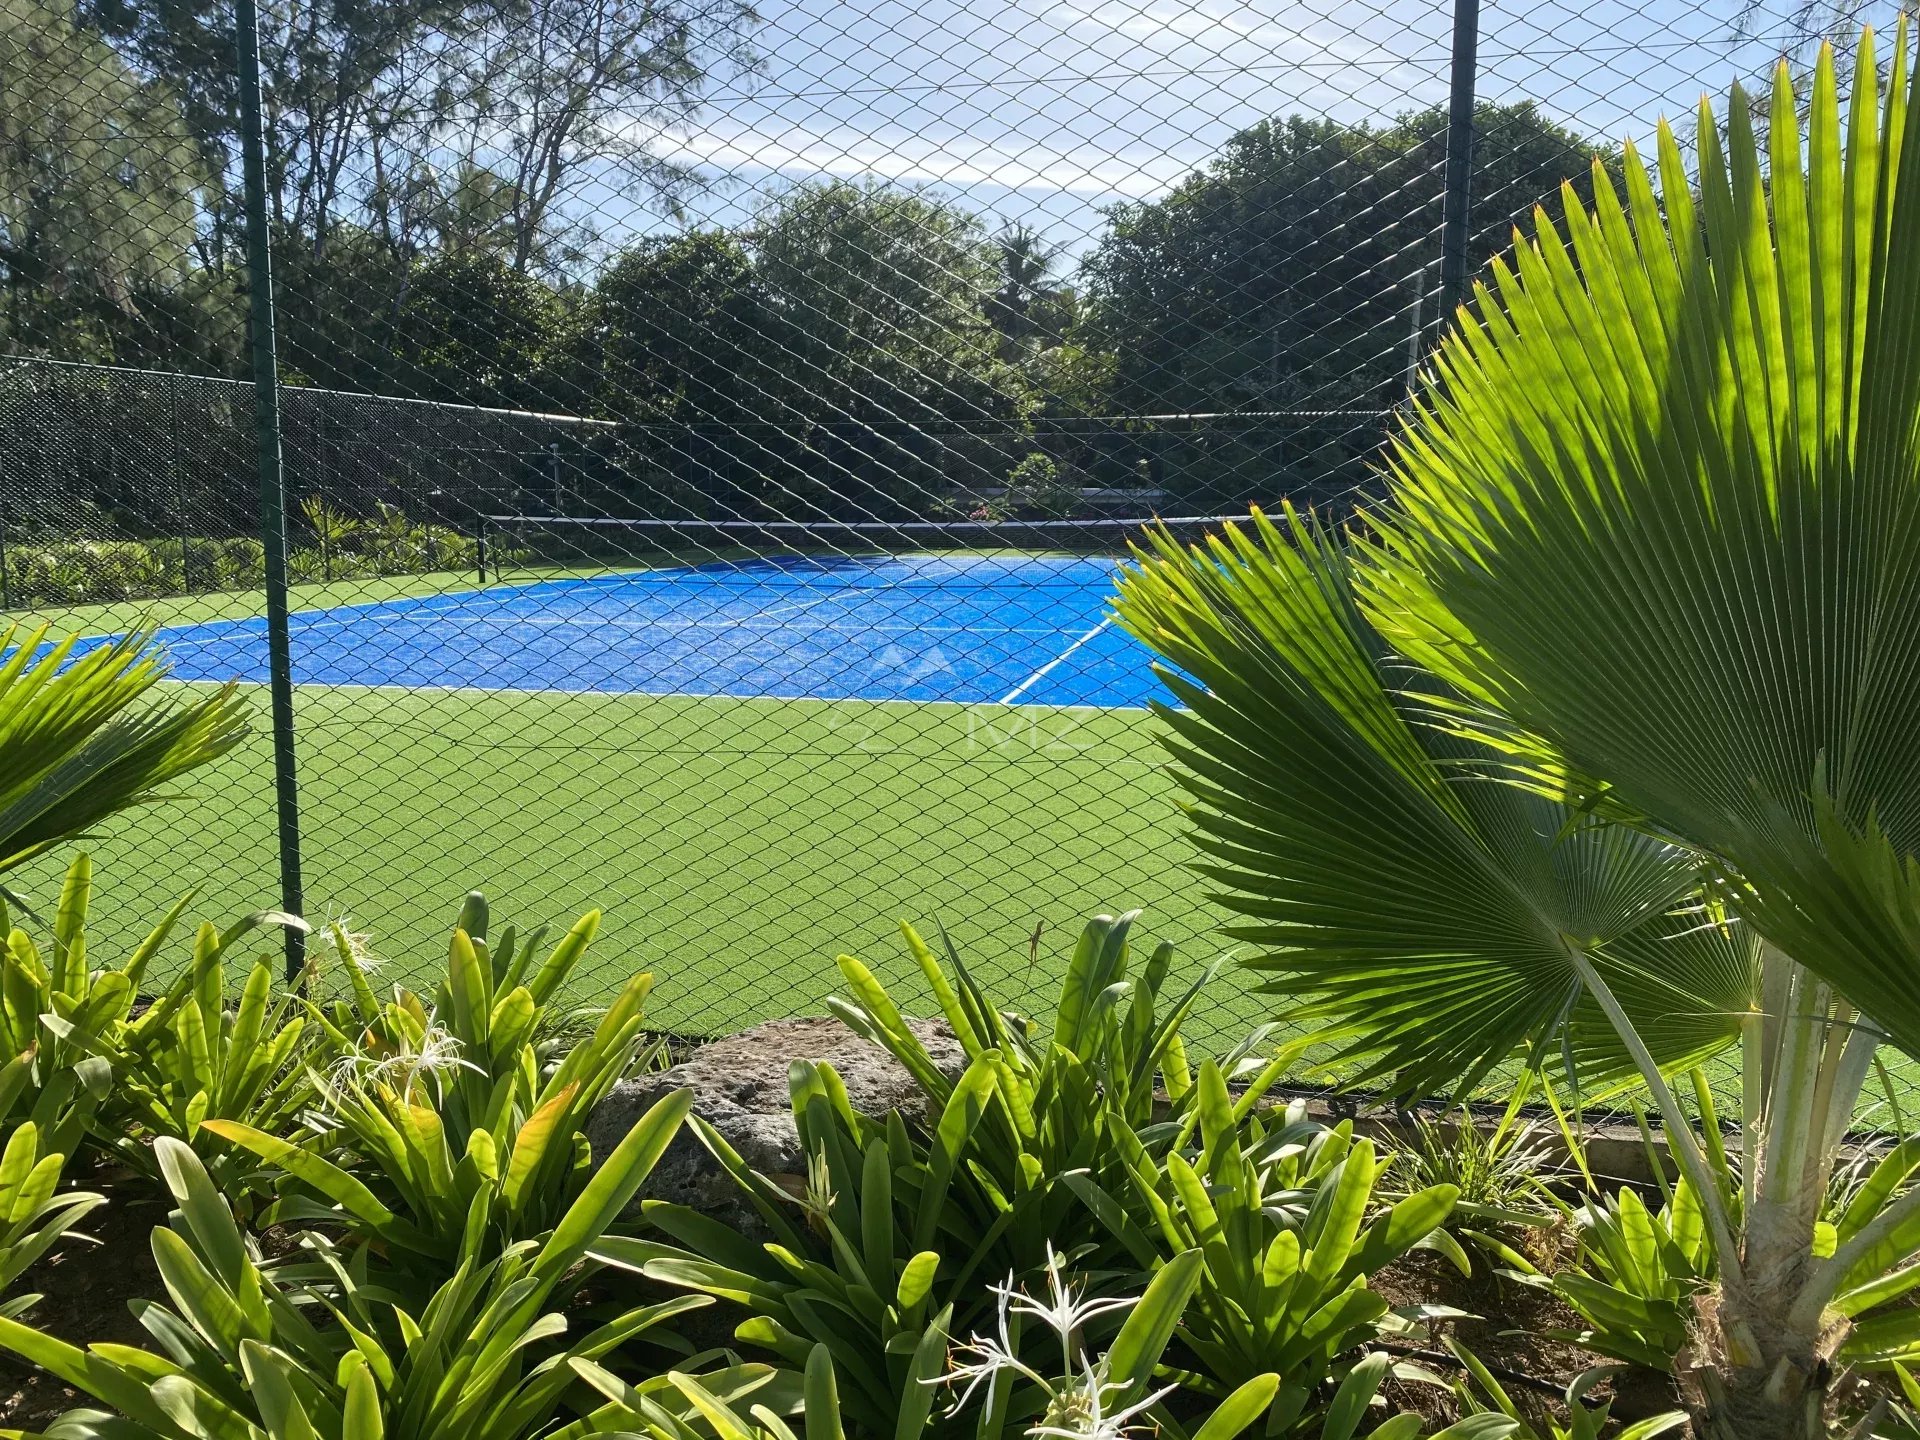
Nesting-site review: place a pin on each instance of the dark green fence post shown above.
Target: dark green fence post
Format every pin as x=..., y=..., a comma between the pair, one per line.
x=1457, y=210
x=177, y=473
x=273, y=494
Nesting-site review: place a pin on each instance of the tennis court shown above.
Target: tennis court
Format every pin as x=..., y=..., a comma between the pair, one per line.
x=749, y=764
x=968, y=628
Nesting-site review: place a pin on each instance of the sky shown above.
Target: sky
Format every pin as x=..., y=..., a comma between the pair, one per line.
x=1047, y=112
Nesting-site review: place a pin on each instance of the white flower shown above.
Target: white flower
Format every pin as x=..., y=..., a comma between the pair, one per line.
x=1080, y=1412
x=1077, y=1406
x=1063, y=1312
x=355, y=946
x=434, y=1053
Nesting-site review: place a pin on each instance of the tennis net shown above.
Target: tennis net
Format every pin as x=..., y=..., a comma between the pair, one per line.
x=508, y=541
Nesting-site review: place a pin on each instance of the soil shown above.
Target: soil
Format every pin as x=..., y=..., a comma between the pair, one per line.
x=1513, y=1334
x=86, y=1289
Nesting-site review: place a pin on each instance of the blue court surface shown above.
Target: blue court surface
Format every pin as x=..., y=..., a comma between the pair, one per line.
x=1025, y=630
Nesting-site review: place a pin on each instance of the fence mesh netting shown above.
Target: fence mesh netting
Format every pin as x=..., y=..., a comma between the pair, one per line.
x=710, y=428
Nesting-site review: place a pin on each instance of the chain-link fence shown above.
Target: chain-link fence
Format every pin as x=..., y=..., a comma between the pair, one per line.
x=708, y=430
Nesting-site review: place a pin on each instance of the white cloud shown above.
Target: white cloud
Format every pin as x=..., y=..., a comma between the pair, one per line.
x=961, y=162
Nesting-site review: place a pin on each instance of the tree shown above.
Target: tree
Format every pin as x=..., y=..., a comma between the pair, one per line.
x=675, y=339
x=1026, y=300
x=879, y=292
x=1291, y=271
x=675, y=331
x=99, y=183
x=395, y=116
x=875, y=299
x=561, y=86
x=470, y=329
x=337, y=76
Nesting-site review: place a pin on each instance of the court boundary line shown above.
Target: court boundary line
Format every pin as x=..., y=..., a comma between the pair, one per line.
x=182, y=634
x=436, y=689
x=402, y=606
x=1040, y=674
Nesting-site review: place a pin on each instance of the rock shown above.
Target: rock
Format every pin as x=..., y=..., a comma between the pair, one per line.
x=739, y=1086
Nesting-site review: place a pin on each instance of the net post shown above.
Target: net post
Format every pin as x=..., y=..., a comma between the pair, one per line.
x=273, y=497
x=480, y=547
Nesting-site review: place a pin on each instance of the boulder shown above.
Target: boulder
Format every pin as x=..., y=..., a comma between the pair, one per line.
x=739, y=1087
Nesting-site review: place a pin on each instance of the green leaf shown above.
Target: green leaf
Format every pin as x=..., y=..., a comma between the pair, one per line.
x=337, y=1185
x=1713, y=513
x=532, y=1142
x=822, y=1397
x=1355, y=1395
x=1136, y=1350
x=919, y=1392
x=205, y=1209
x=1480, y=1427
x=916, y=1279
x=1244, y=1406
x=281, y=1412
x=1354, y=831
x=613, y=1185
x=362, y=1417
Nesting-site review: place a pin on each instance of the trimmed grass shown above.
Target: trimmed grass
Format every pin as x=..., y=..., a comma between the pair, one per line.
x=735, y=845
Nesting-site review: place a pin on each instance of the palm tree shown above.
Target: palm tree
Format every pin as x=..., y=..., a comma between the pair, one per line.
x=1026, y=264
x=75, y=744
x=1632, y=659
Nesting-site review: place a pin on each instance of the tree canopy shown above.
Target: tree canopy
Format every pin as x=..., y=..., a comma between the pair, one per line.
x=436, y=169
x=1293, y=269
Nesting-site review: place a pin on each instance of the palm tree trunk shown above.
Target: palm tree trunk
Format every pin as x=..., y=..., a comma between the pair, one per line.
x=1749, y=1376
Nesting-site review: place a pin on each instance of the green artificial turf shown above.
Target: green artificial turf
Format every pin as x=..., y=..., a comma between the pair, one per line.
x=735, y=845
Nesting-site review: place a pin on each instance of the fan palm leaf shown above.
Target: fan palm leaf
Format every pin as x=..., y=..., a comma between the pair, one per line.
x=1372, y=853
x=76, y=744
x=1659, y=506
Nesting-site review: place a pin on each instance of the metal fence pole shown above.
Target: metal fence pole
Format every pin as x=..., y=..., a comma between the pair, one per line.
x=177, y=473
x=273, y=497
x=1457, y=211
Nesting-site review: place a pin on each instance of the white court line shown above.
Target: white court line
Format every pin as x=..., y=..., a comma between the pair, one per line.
x=646, y=627
x=1040, y=674
x=329, y=686
x=326, y=620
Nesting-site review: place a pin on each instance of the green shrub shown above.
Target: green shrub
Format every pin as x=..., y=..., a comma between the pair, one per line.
x=1087, y=1396
x=1280, y=1215
x=35, y=1213
x=1482, y=1399
x=875, y=1261
x=200, y=562
x=198, y=1055
x=1053, y=1142
x=324, y=1350
x=433, y=1119
x=1640, y=1269
x=1037, y=490
x=79, y=571
x=1109, y=1075
x=1502, y=1173
x=65, y=1025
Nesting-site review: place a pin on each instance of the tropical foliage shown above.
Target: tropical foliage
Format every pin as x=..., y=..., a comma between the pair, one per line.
x=450, y=1099
x=1590, y=761
x=1647, y=573
x=77, y=743
x=1288, y=1228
